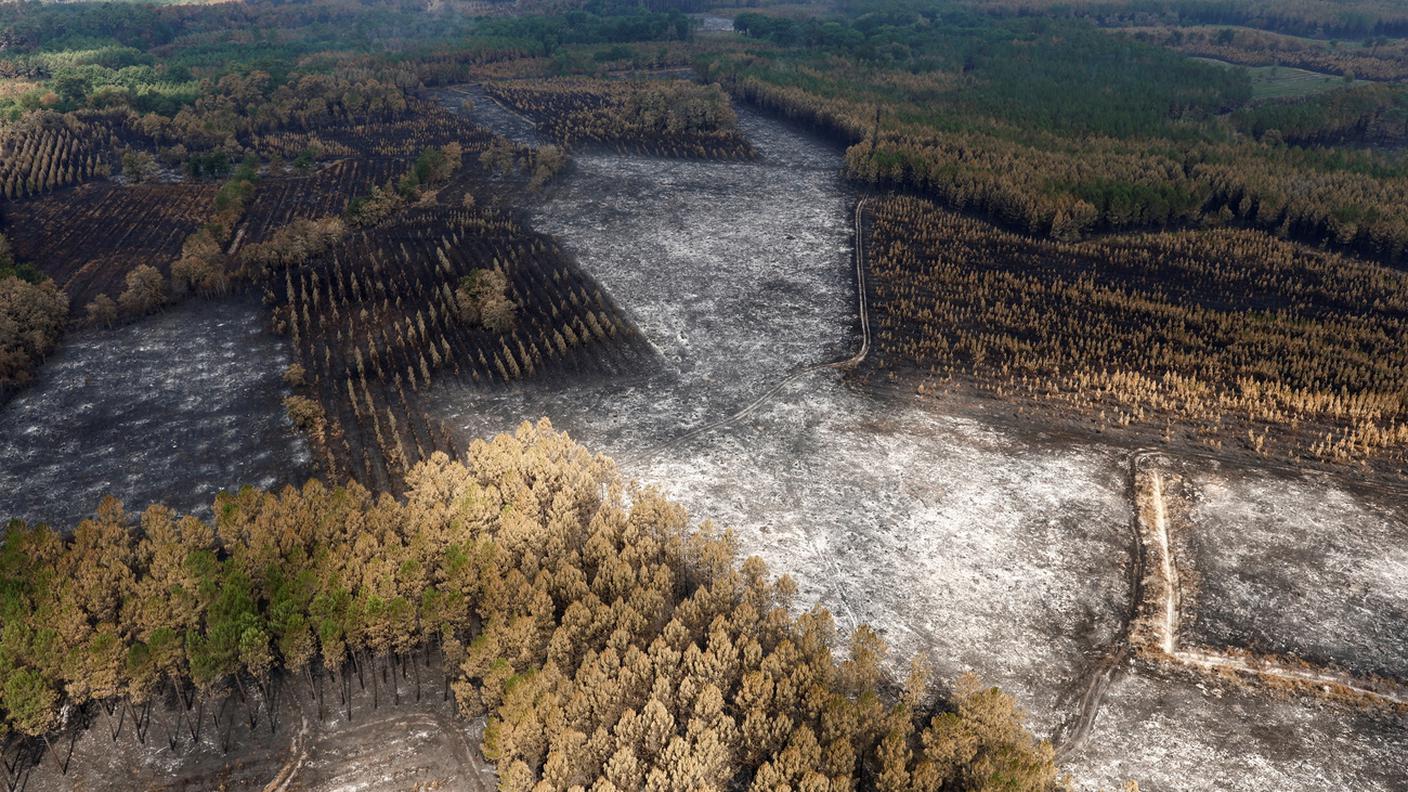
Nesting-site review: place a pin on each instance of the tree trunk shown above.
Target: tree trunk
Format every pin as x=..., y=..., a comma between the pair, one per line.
x=376, y=698
x=247, y=701
x=144, y=723
x=200, y=718
x=121, y=718
x=72, y=740
x=49, y=749
x=229, y=724
x=395, y=683
x=171, y=736
x=12, y=769
x=271, y=696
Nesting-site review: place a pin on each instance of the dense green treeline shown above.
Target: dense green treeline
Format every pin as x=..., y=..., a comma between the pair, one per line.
x=611, y=645
x=163, y=59
x=1034, y=74
x=1362, y=114
x=1057, y=128
x=1342, y=18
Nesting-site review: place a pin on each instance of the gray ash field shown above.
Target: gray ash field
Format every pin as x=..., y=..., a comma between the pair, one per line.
x=740, y=273
x=1302, y=568
x=982, y=547
x=1176, y=733
x=172, y=408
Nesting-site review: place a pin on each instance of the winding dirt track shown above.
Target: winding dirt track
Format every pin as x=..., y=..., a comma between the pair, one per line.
x=1071, y=734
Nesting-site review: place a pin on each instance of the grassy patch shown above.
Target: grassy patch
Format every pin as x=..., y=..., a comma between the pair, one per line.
x=1286, y=82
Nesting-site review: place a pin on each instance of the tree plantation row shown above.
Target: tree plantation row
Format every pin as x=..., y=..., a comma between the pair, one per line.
x=1385, y=59
x=611, y=645
x=668, y=117
x=465, y=293
x=1246, y=339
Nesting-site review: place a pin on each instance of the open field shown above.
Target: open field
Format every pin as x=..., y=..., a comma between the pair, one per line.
x=1286, y=82
x=1299, y=568
x=1176, y=733
x=173, y=408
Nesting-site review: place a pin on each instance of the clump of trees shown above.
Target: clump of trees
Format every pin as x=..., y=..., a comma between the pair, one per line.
x=434, y=166
x=501, y=157
x=33, y=311
x=144, y=290
x=201, y=265
x=610, y=644
x=294, y=243
x=138, y=166
x=482, y=298
x=102, y=311
x=431, y=169
x=374, y=207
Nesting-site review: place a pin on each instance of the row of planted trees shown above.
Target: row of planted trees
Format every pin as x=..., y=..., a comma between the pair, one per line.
x=610, y=645
x=466, y=294
x=46, y=151
x=1219, y=329
x=672, y=117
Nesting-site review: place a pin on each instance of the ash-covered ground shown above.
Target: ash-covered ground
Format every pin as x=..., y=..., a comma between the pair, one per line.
x=172, y=408
x=985, y=548
x=954, y=540
x=384, y=746
x=1299, y=567
x=1174, y=733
